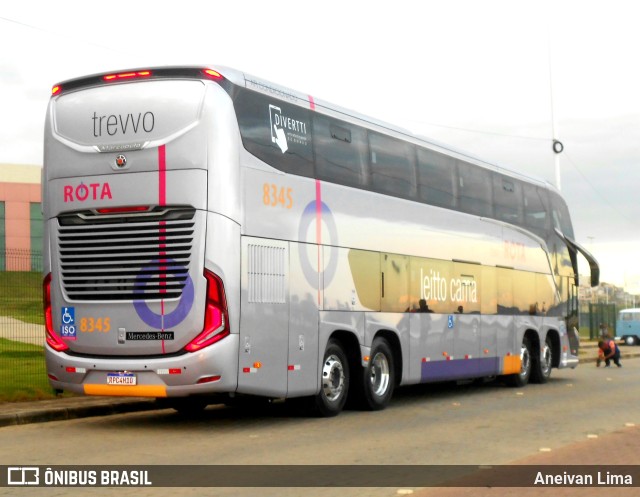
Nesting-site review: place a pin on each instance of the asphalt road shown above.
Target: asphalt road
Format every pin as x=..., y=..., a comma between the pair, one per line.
x=486, y=424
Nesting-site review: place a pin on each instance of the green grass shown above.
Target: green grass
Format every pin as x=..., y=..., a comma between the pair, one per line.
x=23, y=374
x=21, y=296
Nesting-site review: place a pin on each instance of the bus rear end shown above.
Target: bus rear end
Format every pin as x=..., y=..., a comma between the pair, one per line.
x=135, y=187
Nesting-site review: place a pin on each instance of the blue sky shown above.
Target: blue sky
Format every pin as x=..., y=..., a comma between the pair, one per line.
x=486, y=77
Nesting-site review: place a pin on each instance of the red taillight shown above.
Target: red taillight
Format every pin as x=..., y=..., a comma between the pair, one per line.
x=54, y=341
x=55, y=90
x=216, y=318
x=126, y=75
x=117, y=210
x=208, y=379
x=210, y=73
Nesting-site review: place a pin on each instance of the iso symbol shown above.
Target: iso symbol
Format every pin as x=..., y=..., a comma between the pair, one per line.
x=68, y=330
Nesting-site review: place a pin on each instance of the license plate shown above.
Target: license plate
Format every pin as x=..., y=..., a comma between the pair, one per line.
x=121, y=379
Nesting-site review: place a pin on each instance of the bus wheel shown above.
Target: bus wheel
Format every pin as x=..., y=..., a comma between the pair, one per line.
x=541, y=371
x=630, y=340
x=522, y=378
x=378, y=378
x=334, y=381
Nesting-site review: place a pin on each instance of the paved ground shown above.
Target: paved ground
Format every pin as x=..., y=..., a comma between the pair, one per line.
x=618, y=449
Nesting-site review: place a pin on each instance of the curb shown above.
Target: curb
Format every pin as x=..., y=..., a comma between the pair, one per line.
x=83, y=410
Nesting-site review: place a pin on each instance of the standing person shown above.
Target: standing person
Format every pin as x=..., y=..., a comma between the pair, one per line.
x=604, y=331
x=608, y=350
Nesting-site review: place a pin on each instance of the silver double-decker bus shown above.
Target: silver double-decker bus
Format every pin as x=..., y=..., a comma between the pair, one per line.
x=210, y=235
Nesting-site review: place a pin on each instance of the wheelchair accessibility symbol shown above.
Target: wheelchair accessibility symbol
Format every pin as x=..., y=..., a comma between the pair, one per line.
x=68, y=326
x=450, y=321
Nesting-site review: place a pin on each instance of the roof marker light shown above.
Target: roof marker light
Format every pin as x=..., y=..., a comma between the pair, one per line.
x=126, y=75
x=56, y=89
x=212, y=74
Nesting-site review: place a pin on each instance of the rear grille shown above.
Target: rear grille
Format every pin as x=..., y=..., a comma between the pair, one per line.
x=126, y=257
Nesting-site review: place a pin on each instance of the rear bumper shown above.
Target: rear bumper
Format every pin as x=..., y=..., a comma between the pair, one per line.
x=176, y=376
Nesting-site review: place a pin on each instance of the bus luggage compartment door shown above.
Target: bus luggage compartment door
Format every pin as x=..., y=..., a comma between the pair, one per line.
x=264, y=321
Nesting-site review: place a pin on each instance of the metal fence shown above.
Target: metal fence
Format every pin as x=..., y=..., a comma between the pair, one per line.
x=22, y=369
x=602, y=320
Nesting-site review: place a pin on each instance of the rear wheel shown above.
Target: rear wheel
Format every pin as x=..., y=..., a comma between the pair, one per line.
x=334, y=378
x=522, y=378
x=378, y=378
x=630, y=340
x=541, y=370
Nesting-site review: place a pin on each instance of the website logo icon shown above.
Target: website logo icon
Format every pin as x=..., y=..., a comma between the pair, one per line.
x=23, y=475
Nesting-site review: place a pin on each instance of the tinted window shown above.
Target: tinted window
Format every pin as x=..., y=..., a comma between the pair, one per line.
x=341, y=151
x=392, y=166
x=561, y=219
x=474, y=190
x=436, y=178
x=507, y=199
x=276, y=132
x=535, y=211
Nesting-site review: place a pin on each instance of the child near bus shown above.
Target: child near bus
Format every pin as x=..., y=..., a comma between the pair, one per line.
x=608, y=350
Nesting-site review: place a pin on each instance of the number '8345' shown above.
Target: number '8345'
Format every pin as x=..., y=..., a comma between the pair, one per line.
x=274, y=196
x=89, y=325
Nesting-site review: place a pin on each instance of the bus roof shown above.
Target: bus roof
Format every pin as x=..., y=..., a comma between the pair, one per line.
x=249, y=81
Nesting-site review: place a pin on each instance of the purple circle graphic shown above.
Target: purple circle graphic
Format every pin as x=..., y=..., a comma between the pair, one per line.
x=308, y=216
x=175, y=317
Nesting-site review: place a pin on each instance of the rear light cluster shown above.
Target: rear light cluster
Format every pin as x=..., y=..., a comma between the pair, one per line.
x=216, y=318
x=133, y=75
x=53, y=340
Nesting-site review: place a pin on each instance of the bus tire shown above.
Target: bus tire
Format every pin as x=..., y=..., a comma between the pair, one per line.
x=522, y=378
x=541, y=367
x=334, y=381
x=378, y=377
x=630, y=340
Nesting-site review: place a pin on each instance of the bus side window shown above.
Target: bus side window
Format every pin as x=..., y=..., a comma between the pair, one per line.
x=507, y=199
x=392, y=166
x=535, y=213
x=436, y=178
x=474, y=194
x=340, y=152
x=276, y=132
x=561, y=219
